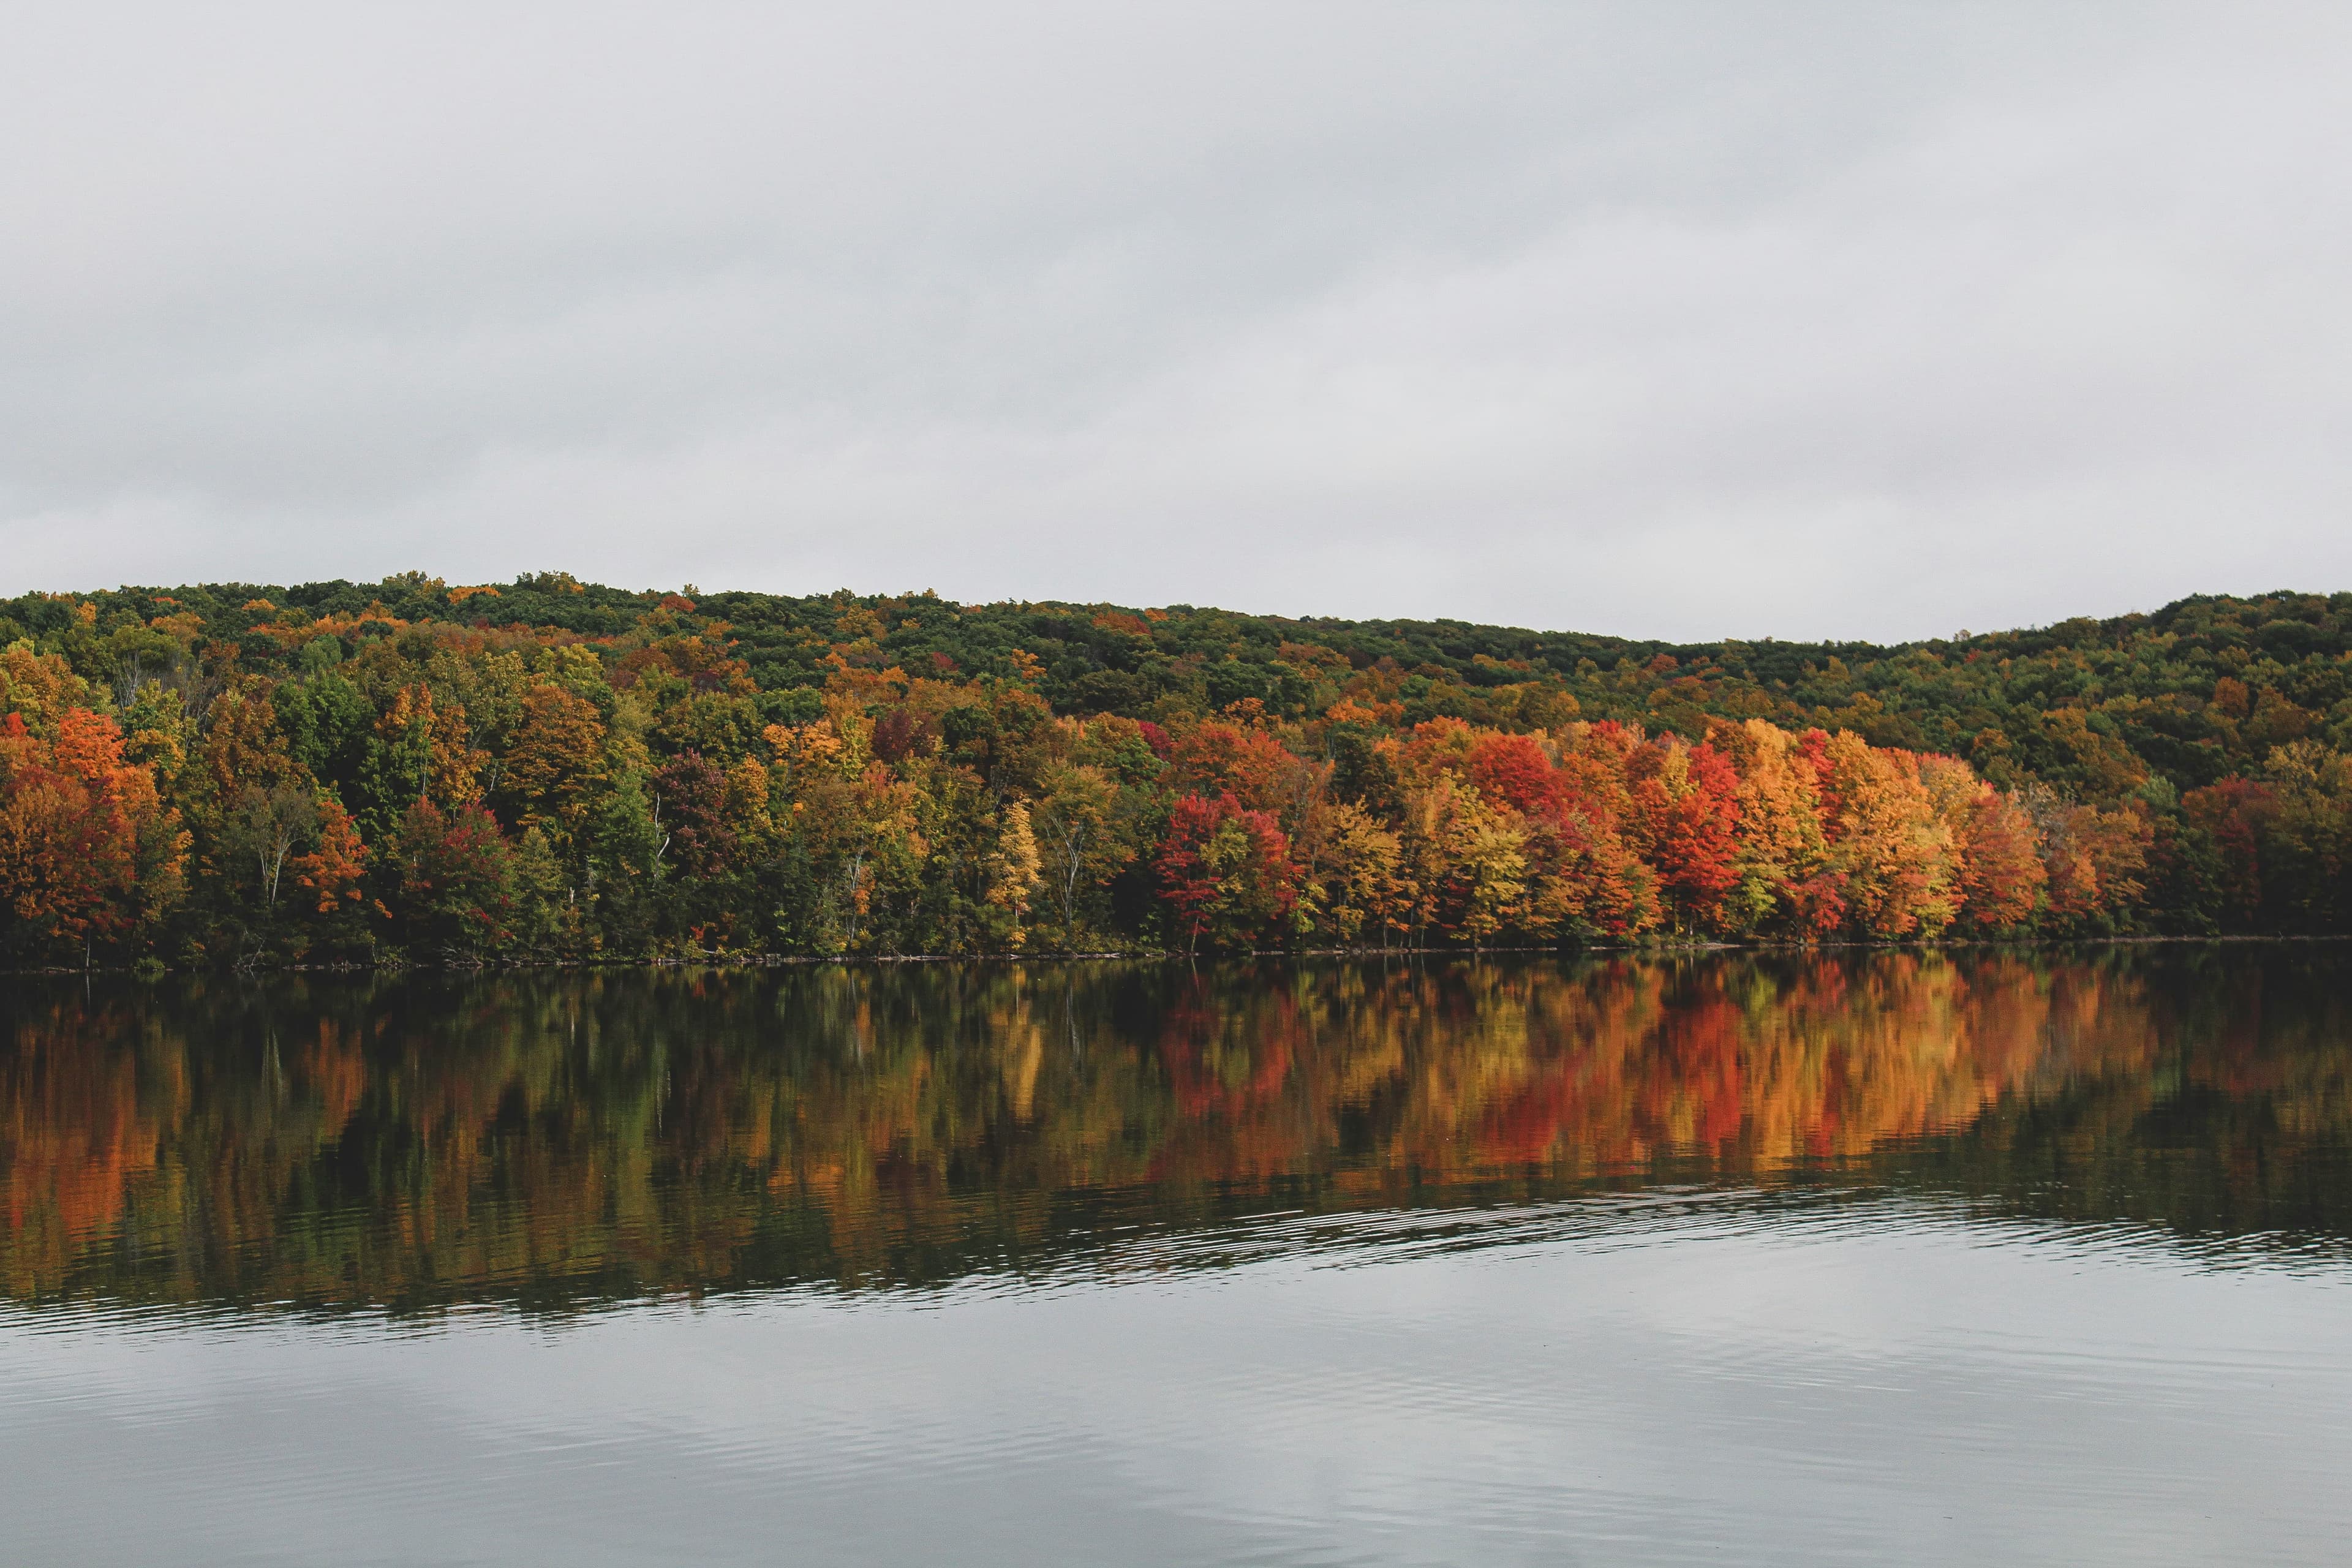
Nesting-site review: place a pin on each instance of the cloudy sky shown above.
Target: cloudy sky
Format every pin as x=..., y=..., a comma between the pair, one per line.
x=1659, y=319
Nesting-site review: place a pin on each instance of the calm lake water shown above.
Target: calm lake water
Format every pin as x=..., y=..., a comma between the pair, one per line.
x=1839, y=1258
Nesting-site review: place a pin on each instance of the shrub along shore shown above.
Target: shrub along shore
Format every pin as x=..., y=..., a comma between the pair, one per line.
x=554, y=771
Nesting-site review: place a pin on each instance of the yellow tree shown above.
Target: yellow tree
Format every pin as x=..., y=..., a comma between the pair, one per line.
x=1361, y=886
x=556, y=768
x=1013, y=870
x=1892, y=854
x=432, y=748
x=1488, y=869
x=1780, y=850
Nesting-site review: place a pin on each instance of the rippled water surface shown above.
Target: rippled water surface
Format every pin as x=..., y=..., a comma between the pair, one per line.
x=1835, y=1257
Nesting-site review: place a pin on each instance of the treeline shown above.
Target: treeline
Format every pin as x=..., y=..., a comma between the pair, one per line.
x=424, y=1137
x=552, y=771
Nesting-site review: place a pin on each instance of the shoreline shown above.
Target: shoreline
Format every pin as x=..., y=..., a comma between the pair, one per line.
x=786, y=961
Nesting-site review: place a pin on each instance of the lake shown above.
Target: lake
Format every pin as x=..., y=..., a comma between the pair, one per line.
x=1832, y=1256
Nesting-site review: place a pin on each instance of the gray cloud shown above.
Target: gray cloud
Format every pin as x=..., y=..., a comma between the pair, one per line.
x=1686, y=321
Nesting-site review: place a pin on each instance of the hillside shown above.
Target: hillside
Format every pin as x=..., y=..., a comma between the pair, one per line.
x=553, y=769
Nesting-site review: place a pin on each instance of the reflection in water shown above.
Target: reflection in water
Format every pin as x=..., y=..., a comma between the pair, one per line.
x=557, y=1138
x=1787, y=1258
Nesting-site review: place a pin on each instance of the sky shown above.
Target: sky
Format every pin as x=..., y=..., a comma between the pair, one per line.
x=1662, y=319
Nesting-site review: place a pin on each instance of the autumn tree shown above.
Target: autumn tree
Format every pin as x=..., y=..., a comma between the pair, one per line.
x=455, y=882
x=1082, y=837
x=88, y=853
x=1219, y=758
x=2001, y=876
x=1015, y=869
x=330, y=871
x=1780, y=856
x=1514, y=771
x=2092, y=859
x=2234, y=815
x=1225, y=872
x=1683, y=816
x=1891, y=858
x=1361, y=891
x=1482, y=886
x=555, y=769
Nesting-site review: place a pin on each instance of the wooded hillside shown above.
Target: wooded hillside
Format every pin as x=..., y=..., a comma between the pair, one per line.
x=546, y=769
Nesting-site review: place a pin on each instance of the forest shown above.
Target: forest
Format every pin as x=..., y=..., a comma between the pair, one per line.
x=549, y=771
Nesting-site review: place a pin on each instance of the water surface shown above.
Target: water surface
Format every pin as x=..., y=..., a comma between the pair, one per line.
x=1803, y=1258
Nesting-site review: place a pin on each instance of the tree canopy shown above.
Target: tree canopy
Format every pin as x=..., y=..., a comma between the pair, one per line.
x=549, y=769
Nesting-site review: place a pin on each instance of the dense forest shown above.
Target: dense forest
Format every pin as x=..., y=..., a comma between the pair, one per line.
x=551, y=771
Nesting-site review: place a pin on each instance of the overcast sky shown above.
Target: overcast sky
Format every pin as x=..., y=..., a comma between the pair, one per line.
x=1672, y=320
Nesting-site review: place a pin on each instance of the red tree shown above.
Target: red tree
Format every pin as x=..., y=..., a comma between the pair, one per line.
x=1512, y=769
x=1686, y=816
x=1226, y=870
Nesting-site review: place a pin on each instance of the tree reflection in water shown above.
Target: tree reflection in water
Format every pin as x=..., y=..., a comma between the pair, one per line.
x=557, y=1138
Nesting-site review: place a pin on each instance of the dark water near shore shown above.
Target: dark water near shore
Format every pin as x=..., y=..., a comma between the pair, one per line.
x=1791, y=1257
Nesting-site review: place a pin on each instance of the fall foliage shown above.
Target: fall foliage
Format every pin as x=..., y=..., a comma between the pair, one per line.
x=554, y=770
